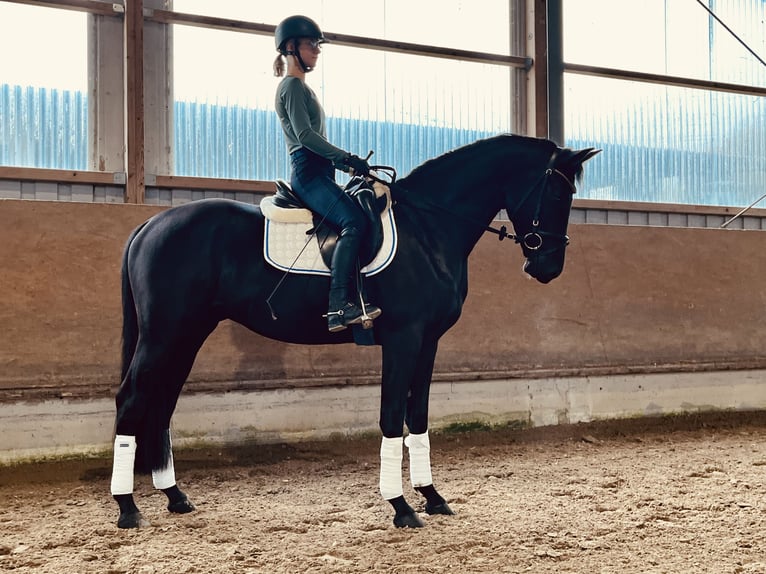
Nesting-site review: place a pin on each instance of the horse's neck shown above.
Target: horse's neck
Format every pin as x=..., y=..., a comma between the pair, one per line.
x=455, y=209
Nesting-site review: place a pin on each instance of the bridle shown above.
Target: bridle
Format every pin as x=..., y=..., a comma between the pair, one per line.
x=533, y=240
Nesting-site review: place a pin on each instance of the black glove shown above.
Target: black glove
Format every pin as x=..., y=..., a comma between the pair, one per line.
x=359, y=165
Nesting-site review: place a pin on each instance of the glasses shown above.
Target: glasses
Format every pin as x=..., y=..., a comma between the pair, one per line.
x=313, y=43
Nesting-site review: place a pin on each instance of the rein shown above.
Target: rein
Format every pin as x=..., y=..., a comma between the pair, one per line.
x=533, y=240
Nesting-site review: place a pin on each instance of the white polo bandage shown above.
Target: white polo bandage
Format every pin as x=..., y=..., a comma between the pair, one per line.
x=391, y=468
x=420, y=459
x=122, y=467
x=166, y=477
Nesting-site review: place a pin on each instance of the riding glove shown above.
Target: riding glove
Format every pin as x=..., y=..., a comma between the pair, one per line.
x=359, y=165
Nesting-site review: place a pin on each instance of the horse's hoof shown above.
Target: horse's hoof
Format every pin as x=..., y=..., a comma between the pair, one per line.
x=132, y=520
x=441, y=508
x=182, y=506
x=410, y=520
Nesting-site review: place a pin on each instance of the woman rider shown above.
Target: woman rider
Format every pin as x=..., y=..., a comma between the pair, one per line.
x=314, y=160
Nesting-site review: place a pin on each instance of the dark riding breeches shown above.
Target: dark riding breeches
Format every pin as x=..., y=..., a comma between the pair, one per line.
x=313, y=180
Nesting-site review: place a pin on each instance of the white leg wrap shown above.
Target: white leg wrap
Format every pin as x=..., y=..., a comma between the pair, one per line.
x=391, y=468
x=166, y=477
x=420, y=459
x=122, y=467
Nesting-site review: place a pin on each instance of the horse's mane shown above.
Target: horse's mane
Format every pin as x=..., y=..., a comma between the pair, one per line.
x=445, y=163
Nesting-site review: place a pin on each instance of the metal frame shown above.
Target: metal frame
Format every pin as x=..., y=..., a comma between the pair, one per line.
x=539, y=108
x=134, y=16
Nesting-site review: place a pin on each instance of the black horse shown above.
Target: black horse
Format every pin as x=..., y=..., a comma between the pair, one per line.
x=190, y=267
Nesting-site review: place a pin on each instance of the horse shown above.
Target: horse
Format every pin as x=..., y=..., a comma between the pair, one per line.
x=192, y=266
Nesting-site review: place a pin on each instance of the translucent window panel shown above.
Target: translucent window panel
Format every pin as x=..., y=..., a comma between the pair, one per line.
x=460, y=24
x=668, y=37
x=218, y=66
x=408, y=109
x=667, y=144
x=43, y=93
x=224, y=123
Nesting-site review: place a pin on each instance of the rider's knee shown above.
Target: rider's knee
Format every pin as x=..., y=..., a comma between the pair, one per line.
x=357, y=228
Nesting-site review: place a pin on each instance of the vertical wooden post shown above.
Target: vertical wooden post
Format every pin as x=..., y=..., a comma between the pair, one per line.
x=134, y=100
x=537, y=47
x=519, y=77
x=106, y=99
x=555, y=24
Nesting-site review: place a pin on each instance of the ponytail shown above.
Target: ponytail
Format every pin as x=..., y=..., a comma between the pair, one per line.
x=279, y=66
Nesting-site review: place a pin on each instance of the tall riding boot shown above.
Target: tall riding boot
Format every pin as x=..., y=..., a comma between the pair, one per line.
x=344, y=310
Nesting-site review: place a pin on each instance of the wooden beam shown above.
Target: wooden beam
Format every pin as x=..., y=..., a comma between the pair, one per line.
x=170, y=17
x=215, y=184
x=91, y=6
x=134, y=100
x=681, y=82
x=644, y=206
x=62, y=176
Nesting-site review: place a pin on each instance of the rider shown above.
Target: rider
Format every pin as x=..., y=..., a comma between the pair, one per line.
x=314, y=160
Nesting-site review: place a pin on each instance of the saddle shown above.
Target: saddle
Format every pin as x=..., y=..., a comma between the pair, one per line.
x=373, y=200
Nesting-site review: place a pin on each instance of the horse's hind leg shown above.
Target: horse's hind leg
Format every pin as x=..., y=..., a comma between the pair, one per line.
x=165, y=480
x=122, y=482
x=145, y=403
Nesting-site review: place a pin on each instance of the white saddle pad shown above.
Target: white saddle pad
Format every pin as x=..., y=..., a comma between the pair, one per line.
x=287, y=247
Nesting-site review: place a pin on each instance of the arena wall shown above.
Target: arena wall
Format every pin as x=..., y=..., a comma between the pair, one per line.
x=643, y=320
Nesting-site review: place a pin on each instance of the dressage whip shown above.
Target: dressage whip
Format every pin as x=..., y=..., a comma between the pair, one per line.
x=287, y=271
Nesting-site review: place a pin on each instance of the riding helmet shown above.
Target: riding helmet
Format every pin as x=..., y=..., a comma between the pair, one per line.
x=296, y=27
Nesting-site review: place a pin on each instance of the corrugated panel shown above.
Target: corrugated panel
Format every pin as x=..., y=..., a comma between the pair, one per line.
x=42, y=127
x=235, y=142
x=667, y=144
x=661, y=144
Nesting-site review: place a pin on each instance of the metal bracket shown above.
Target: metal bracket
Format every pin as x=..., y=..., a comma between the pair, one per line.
x=528, y=63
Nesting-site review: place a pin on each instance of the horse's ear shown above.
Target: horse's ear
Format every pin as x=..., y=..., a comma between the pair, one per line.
x=572, y=160
x=584, y=155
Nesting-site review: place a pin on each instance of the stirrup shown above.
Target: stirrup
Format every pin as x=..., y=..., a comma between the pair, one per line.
x=364, y=315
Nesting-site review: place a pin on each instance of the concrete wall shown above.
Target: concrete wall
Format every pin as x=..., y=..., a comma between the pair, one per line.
x=632, y=302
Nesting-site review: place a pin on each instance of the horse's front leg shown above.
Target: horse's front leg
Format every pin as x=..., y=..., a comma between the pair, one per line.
x=407, y=368
x=400, y=353
x=418, y=442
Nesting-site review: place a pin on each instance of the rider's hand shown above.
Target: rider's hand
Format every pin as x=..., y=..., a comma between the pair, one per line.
x=359, y=165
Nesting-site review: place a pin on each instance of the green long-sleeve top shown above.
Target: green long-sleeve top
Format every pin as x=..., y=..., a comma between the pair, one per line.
x=303, y=120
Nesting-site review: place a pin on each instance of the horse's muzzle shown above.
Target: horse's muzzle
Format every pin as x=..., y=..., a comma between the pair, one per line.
x=543, y=269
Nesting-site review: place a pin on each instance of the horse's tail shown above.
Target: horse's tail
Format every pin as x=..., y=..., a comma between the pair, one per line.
x=129, y=316
x=153, y=442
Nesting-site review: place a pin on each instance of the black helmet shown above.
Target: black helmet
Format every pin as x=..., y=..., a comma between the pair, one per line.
x=296, y=27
